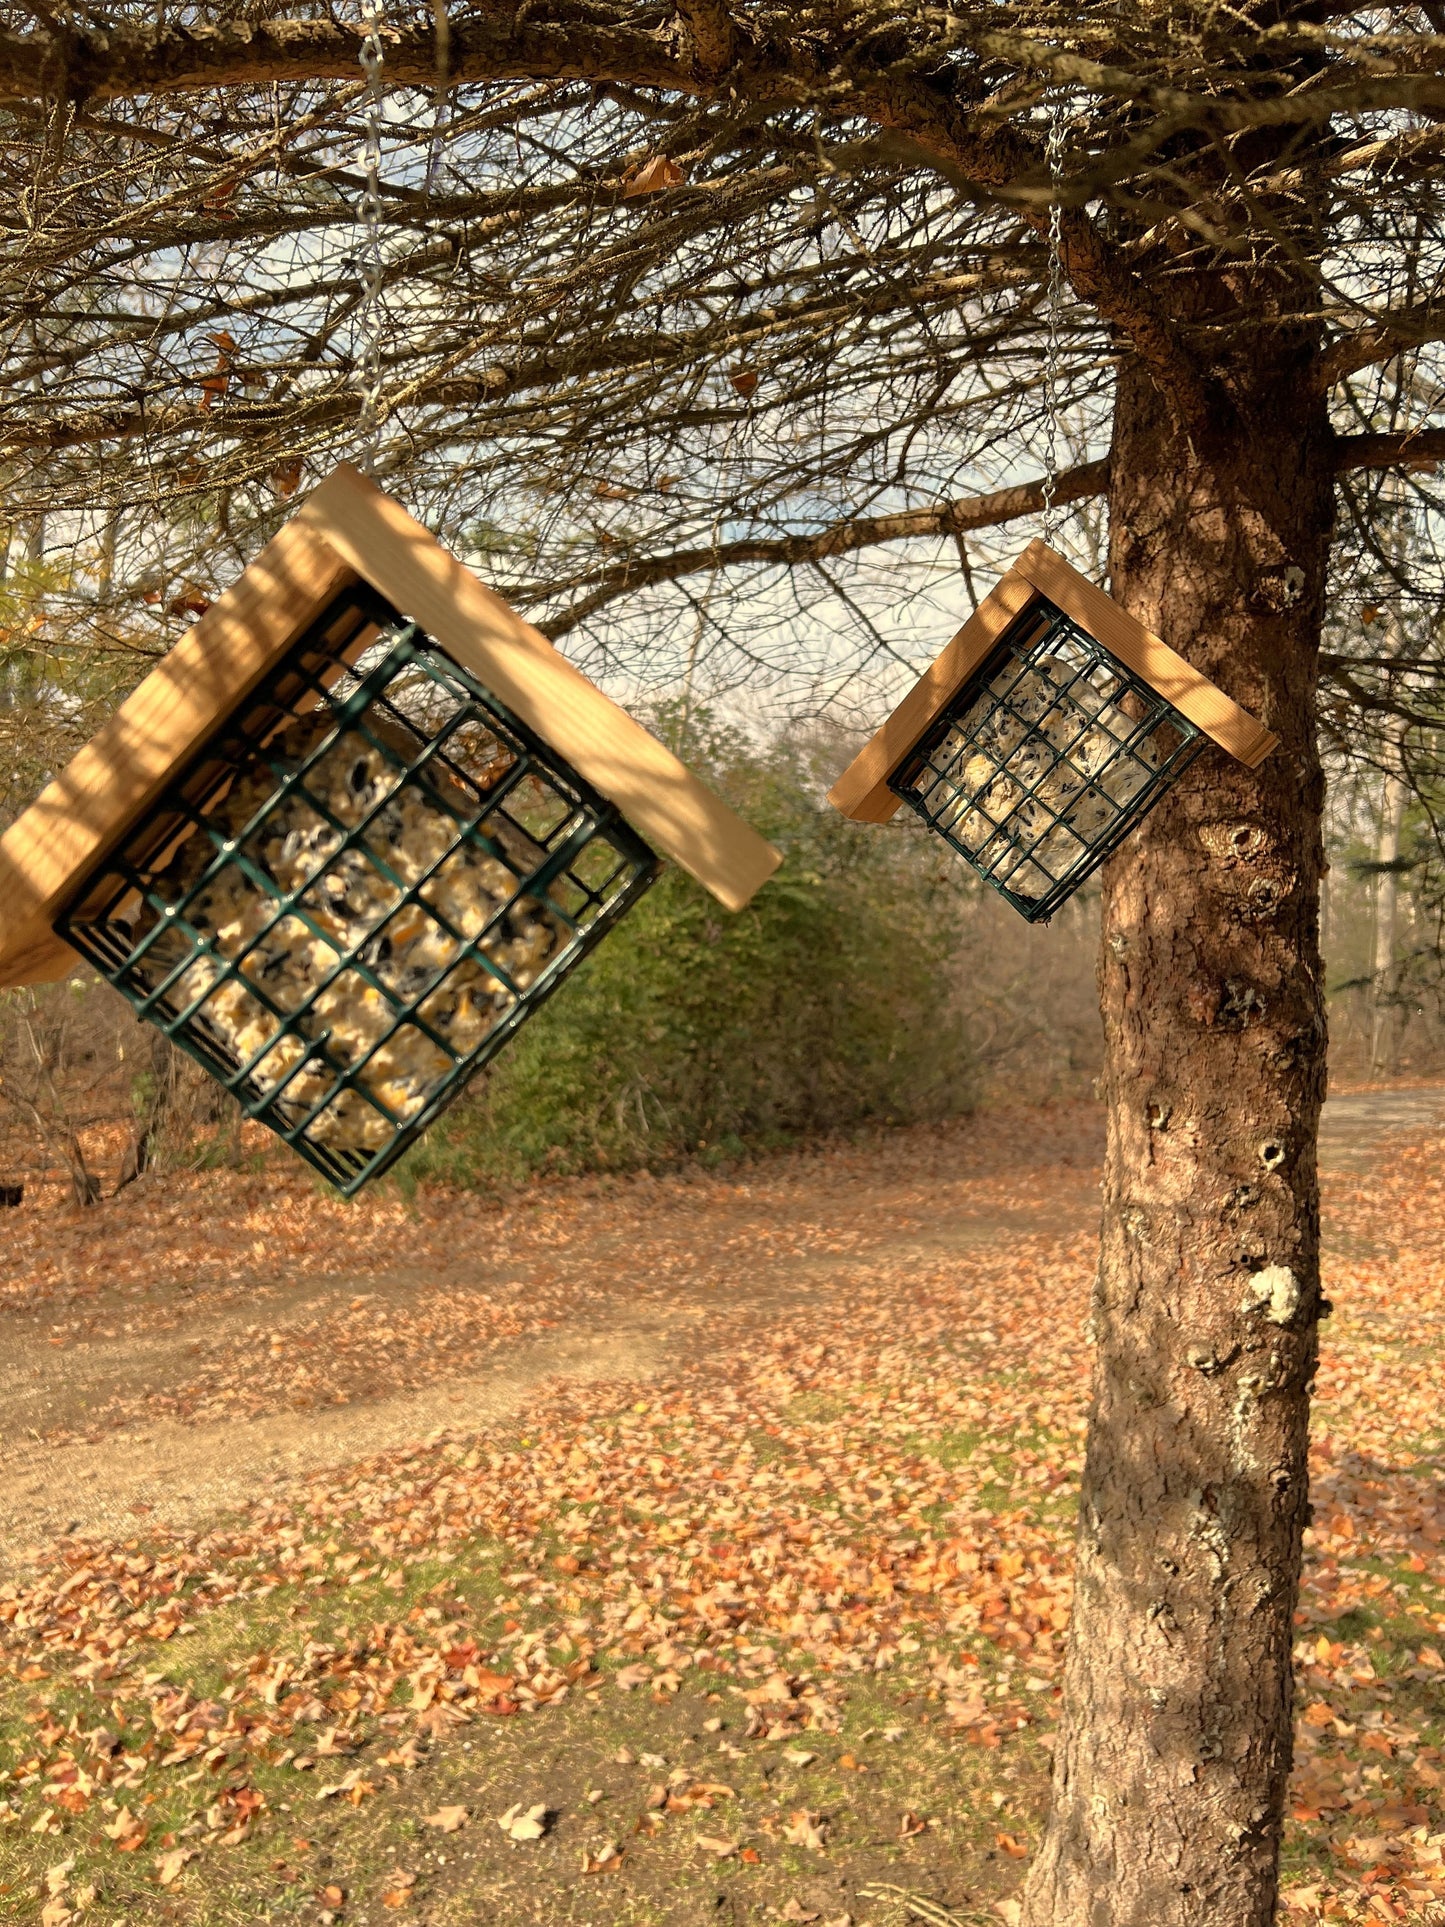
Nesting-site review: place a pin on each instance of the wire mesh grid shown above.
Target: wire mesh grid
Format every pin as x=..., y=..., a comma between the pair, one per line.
x=358, y=890
x=1045, y=760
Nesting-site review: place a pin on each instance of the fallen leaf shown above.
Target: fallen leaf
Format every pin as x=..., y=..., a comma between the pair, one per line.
x=1015, y=1848
x=488, y=1686
x=124, y=1829
x=719, y=1849
x=701, y=1794
x=911, y=1824
x=353, y=1788
x=447, y=1819
x=804, y=1830
x=628, y=1678
x=524, y=1823
x=606, y=1860
x=396, y=1888
x=169, y=1865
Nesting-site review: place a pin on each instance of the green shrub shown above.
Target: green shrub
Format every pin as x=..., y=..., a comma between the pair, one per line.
x=824, y=1005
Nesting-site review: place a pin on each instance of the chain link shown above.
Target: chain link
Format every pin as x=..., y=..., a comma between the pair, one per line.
x=369, y=261
x=1054, y=152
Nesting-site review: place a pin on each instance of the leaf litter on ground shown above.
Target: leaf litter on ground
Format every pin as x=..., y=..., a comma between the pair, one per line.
x=822, y=1500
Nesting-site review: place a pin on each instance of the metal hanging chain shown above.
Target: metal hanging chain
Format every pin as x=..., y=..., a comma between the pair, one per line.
x=370, y=321
x=1054, y=152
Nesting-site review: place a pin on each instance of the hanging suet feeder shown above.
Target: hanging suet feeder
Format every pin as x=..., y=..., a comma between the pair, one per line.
x=350, y=833
x=1042, y=735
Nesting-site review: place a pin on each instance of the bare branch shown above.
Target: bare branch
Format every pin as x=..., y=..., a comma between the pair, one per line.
x=1419, y=448
x=1381, y=339
x=947, y=519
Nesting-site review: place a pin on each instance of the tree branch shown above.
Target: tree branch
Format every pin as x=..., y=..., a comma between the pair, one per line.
x=948, y=518
x=1417, y=448
x=147, y=58
x=1401, y=448
x=940, y=128
x=536, y=363
x=1384, y=337
x=712, y=34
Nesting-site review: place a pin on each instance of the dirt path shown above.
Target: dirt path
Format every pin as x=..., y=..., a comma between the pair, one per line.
x=172, y=1372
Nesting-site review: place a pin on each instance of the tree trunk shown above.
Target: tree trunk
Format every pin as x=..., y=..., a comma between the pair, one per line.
x=1384, y=1022
x=1171, y=1765
x=157, y=1103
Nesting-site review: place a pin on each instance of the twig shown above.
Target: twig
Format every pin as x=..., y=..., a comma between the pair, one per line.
x=918, y=1906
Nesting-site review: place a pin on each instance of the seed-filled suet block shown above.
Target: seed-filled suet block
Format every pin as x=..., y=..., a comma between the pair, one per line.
x=1050, y=725
x=350, y=833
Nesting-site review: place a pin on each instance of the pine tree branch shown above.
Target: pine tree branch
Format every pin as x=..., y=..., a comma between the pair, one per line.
x=1408, y=448
x=1402, y=448
x=1381, y=339
x=713, y=39
x=946, y=519
x=937, y=121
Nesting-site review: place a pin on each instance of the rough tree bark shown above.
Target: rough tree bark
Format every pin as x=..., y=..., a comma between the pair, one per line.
x=1171, y=1765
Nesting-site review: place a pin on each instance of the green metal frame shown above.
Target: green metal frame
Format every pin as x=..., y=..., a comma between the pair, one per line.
x=1099, y=693
x=363, y=665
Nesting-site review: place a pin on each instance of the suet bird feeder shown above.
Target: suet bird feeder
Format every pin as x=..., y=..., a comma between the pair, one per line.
x=1045, y=731
x=353, y=829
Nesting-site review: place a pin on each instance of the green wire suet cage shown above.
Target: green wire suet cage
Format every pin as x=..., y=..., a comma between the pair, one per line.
x=359, y=891
x=1044, y=762
x=1044, y=733
x=350, y=833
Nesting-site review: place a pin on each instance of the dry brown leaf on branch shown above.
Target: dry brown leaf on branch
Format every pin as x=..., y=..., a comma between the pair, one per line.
x=214, y=385
x=191, y=601
x=652, y=177
x=745, y=381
